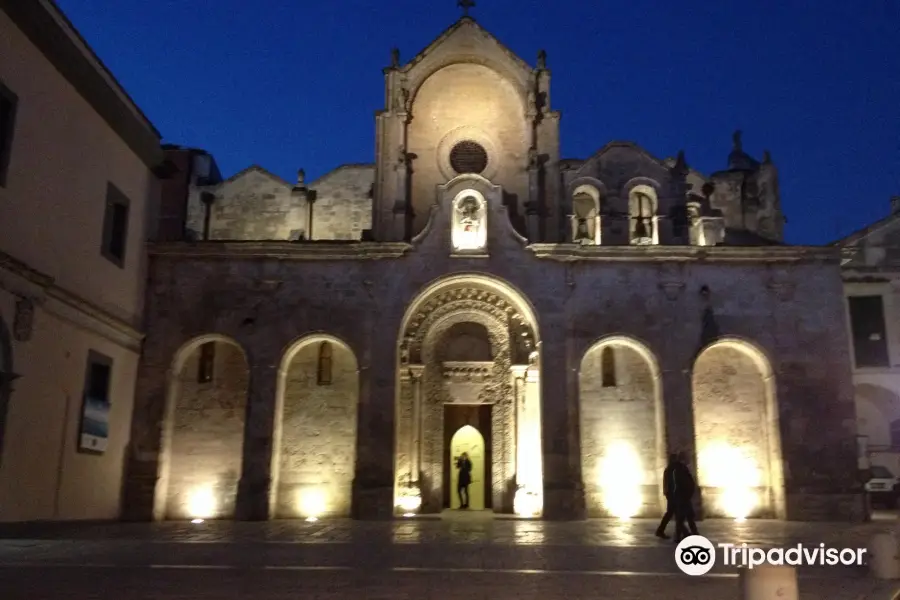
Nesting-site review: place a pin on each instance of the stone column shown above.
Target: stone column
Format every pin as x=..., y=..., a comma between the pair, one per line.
x=144, y=490
x=563, y=490
x=373, y=484
x=678, y=400
x=531, y=413
x=415, y=451
x=255, y=486
x=517, y=375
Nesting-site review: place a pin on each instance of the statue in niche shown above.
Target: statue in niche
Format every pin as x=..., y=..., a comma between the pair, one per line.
x=531, y=105
x=469, y=210
x=469, y=231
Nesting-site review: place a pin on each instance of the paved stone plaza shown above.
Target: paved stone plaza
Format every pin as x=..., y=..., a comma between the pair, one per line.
x=468, y=556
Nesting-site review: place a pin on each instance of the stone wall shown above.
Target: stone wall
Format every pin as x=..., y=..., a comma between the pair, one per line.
x=256, y=205
x=318, y=433
x=343, y=206
x=207, y=435
x=619, y=440
x=674, y=300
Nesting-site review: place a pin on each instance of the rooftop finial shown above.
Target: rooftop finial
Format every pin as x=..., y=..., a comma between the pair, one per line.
x=466, y=5
x=736, y=139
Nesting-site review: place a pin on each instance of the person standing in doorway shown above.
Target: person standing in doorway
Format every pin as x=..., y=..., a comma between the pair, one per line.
x=465, y=478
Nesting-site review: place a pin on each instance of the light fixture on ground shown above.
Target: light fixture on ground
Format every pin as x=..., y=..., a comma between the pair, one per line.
x=312, y=503
x=409, y=501
x=201, y=504
x=735, y=474
x=527, y=503
x=621, y=477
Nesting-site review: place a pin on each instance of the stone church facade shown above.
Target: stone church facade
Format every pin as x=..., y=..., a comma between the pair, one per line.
x=315, y=348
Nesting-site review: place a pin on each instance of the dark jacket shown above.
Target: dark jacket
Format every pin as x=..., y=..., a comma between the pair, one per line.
x=682, y=482
x=465, y=471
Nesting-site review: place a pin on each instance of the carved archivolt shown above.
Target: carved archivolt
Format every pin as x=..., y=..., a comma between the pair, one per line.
x=465, y=301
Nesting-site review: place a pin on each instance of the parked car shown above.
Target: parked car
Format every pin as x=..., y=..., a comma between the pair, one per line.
x=883, y=487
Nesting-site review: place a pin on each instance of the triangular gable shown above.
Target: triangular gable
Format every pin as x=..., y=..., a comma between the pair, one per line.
x=458, y=28
x=253, y=169
x=864, y=232
x=589, y=163
x=341, y=169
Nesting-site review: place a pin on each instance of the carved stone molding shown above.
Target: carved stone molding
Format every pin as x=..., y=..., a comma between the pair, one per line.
x=460, y=300
x=468, y=372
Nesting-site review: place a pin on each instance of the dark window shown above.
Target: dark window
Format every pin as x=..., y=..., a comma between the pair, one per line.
x=868, y=330
x=608, y=367
x=207, y=364
x=115, y=226
x=93, y=434
x=324, y=370
x=468, y=157
x=8, y=104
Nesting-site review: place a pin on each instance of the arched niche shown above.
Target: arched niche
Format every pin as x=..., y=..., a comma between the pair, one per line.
x=737, y=434
x=314, y=447
x=622, y=428
x=203, y=434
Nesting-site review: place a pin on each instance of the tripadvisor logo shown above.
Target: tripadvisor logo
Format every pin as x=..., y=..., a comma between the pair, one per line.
x=696, y=555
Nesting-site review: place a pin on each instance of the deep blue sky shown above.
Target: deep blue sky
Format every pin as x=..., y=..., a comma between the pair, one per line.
x=290, y=83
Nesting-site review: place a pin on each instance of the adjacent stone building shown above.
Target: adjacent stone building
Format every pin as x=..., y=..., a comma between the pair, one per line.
x=871, y=267
x=76, y=189
x=328, y=347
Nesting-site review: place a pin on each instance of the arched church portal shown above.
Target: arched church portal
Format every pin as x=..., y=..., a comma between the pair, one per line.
x=468, y=356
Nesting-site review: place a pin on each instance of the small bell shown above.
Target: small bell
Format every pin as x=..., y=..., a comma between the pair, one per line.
x=640, y=230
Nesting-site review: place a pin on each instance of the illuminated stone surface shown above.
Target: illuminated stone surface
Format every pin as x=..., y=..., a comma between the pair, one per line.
x=456, y=557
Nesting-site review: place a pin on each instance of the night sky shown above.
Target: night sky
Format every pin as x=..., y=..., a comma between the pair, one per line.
x=292, y=83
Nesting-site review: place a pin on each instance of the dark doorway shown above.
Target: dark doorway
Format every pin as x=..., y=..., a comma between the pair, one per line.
x=479, y=417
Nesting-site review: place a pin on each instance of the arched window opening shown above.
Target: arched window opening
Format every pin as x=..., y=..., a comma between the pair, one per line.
x=206, y=366
x=642, y=212
x=324, y=370
x=585, y=217
x=608, y=366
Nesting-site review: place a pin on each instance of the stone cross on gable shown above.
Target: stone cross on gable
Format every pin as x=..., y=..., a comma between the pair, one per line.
x=466, y=5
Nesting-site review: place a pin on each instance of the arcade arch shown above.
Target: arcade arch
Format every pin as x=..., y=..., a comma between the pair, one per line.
x=203, y=437
x=738, y=440
x=622, y=428
x=314, y=442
